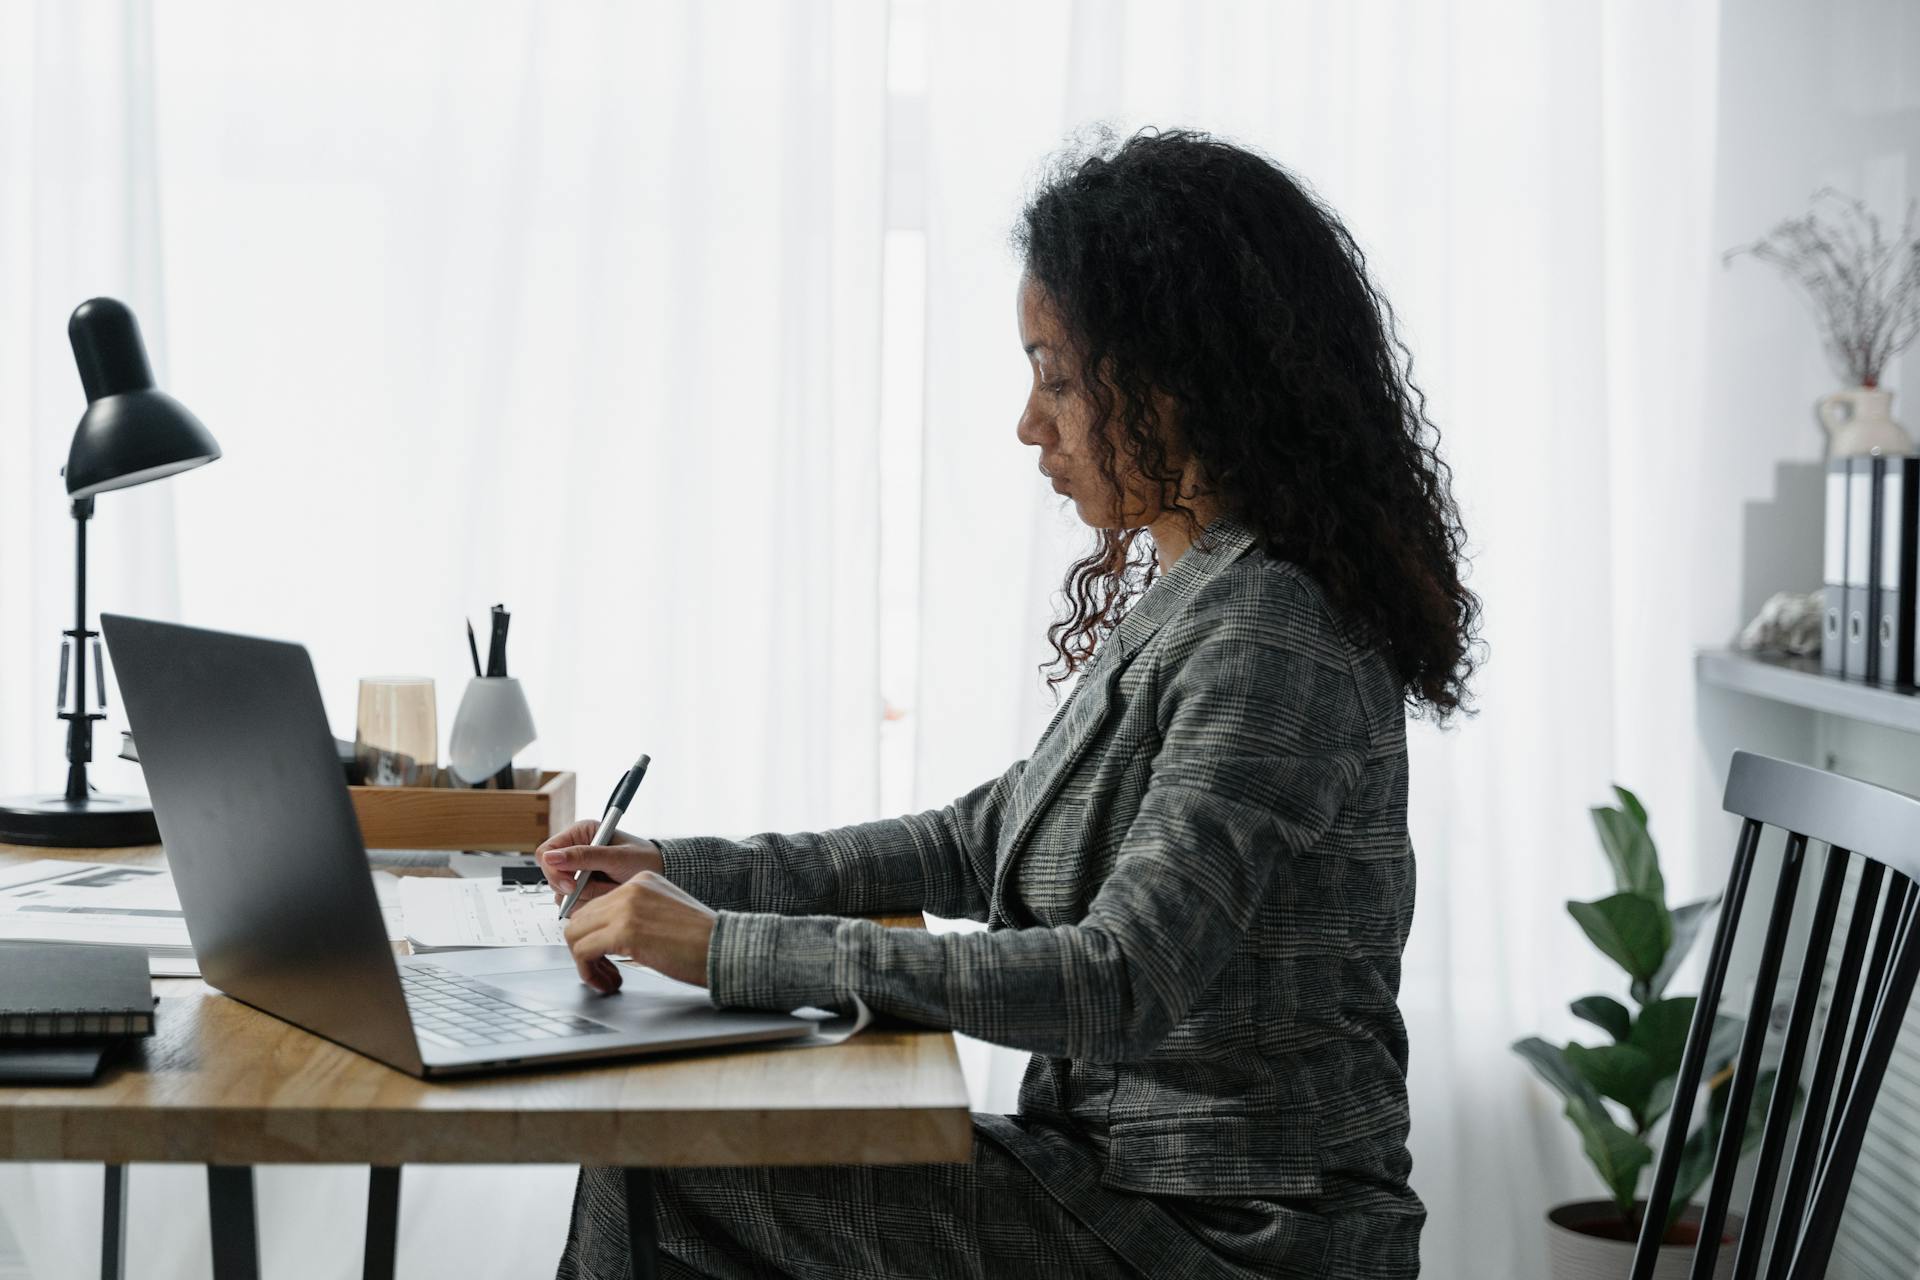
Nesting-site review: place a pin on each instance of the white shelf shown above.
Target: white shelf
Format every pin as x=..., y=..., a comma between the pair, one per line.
x=1798, y=682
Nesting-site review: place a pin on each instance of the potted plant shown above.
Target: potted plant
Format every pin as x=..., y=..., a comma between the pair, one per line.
x=1865, y=289
x=1618, y=1092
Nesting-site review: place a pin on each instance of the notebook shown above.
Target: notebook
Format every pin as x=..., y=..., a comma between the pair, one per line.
x=54, y=990
x=54, y=1062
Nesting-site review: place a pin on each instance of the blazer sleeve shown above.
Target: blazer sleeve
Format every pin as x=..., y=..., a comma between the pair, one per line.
x=1263, y=738
x=939, y=861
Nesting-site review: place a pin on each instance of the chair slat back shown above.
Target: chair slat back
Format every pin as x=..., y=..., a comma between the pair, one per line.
x=1799, y=1193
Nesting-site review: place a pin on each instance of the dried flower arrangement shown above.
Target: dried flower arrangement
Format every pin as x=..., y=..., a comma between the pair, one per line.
x=1865, y=288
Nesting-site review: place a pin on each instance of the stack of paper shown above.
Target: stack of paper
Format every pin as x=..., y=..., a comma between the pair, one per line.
x=53, y=900
x=57, y=901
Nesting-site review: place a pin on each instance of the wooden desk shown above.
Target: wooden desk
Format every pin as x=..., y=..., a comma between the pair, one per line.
x=224, y=1085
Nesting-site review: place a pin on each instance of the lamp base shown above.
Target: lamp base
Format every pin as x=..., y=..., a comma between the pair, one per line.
x=100, y=821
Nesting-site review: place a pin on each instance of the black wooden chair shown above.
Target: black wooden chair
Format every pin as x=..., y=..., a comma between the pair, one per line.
x=1881, y=830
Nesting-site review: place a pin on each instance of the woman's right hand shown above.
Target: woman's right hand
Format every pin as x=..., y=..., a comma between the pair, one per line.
x=571, y=853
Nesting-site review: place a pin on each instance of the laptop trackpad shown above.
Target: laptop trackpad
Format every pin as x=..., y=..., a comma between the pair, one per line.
x=548, y=974
x=650, y=1005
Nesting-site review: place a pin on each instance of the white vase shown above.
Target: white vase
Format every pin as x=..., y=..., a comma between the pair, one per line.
x=1860, y=421
x=493, y=723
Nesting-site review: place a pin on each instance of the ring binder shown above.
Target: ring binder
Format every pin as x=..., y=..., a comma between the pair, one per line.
x=1893, y=576
x=33, y=1024
x=1863, y=510
x=1833, y=646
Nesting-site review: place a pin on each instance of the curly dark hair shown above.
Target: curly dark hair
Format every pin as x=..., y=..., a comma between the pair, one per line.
x=1191, y=267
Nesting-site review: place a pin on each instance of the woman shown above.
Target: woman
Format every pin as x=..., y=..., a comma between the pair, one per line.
x=1199, y=885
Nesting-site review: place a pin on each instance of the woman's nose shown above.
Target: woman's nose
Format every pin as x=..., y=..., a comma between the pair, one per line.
x=1031, y=428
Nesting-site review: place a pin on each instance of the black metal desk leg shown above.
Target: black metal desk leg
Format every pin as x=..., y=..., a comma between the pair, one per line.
x=383, y=1221
x=236, y=1241
x=642, y=1240
x=113, y=1225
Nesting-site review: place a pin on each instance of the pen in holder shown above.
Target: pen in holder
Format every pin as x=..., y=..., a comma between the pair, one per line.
x=493, y=723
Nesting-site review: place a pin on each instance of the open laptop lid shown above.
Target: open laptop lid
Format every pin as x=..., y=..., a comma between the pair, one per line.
x=260, y=831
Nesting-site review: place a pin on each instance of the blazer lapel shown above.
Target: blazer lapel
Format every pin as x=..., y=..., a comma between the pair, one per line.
x=1074, y=725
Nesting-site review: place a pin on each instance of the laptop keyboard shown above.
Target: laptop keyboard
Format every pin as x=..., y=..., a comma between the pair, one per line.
x=457, y=1012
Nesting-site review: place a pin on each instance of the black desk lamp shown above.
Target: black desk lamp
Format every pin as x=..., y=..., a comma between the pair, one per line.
x=131, y=433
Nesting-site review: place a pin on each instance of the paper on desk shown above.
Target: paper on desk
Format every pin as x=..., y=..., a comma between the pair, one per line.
x=54, y=900
x=441, y=914
x=118, y=904
x=386, y=887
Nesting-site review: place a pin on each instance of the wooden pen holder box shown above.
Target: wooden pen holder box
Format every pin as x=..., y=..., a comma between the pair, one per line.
x=456, y=817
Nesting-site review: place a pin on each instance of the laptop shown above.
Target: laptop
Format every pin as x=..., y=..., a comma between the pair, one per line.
x=279, y=899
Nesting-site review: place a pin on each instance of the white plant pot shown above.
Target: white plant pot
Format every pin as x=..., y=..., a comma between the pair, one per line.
x=1575, y=1255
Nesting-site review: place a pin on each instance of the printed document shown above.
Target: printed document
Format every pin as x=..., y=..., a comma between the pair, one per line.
x=440, y=914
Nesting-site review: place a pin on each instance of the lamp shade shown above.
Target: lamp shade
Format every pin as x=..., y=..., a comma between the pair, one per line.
x=132, y=432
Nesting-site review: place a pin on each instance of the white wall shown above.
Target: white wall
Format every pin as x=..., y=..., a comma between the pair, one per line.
x=1811, y=92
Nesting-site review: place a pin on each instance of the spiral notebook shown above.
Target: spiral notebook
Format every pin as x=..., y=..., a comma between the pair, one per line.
x=60, y=990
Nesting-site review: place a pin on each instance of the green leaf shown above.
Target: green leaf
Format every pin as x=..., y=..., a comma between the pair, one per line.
x=1687, y=920
x=1549, y=1061
x=1631, y=803
x=1659, y=1099
x=1661, y=1032
x=1618, y=1071
x=1696, y=1163
x=1605, y=1013
x=1696, y=1157
x=1618, y=1156
x=1634, y=930
x=1636, y=864
x=1722, y=1046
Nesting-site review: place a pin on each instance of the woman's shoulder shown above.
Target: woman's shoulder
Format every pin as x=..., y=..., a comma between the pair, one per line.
x=1265, y=594
x=1271, y=601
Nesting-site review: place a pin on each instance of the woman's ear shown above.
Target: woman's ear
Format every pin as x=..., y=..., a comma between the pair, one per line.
x=1167, y=425
x=1166, y=419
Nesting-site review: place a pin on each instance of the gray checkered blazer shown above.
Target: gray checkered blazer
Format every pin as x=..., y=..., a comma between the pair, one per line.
x=1197, y=890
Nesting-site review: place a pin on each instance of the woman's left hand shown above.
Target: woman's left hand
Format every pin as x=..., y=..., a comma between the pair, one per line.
x=649, y=919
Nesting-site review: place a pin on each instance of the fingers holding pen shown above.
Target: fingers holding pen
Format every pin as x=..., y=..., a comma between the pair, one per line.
x=562, y=861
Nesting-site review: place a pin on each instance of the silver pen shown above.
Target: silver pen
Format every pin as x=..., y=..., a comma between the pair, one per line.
x=616, y=809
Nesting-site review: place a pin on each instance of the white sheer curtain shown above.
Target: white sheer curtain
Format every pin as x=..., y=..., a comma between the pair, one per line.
x=571, y=307
x=78, y=217
x=578, y=307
